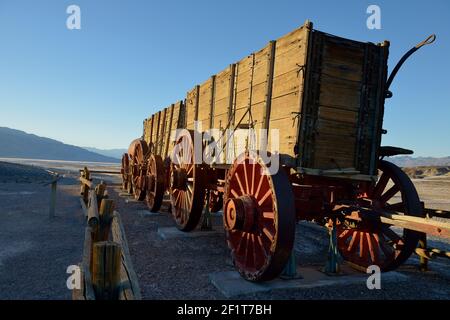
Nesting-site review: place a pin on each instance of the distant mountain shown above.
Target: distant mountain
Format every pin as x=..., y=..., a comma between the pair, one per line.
x=114, y=153
x=408, y=161
x=19, y=144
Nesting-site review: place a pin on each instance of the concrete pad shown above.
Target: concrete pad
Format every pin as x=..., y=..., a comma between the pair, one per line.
x=148, y=213
x=174, y=233
x=231, y=284
x=124, y=194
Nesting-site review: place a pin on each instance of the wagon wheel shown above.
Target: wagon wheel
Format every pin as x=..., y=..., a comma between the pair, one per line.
x=187, y=188
x=215, y=201
x=139, y=150
x=259, y=218
x=155, y=183
x=379, y=244
x=125, y=171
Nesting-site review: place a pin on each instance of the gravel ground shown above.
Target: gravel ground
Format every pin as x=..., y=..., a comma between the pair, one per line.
x=36, y=251
x=179, y=268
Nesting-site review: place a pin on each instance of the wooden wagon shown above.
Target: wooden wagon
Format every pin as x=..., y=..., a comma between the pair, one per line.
x=320, y=98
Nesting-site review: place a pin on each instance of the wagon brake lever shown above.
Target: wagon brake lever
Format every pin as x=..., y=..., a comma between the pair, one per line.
x=428, y=40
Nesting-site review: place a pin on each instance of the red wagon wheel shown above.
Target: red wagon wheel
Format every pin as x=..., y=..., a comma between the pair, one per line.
x=259, y=218
x=155, y=183
x=187, y=188
x=125, y=171
x=378, y=244
x=138, y=150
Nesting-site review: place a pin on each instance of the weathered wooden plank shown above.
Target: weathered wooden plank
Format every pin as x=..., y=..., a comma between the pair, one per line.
x=106, y=215
x=118, y=235
x=204, y=103
x=92, y=206
x=191, y=107
x=87, y=247
x=106, y=267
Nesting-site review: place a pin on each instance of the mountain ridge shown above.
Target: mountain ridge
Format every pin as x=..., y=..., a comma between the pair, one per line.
x=20, y=144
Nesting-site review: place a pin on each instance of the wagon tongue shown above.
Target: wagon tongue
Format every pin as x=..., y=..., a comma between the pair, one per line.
x=397, y=67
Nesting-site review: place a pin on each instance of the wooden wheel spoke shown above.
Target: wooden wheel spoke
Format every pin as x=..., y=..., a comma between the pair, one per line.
x=373, y=247
x=362, y=246
x=265, y=197
x=381, y=185
x=387, y=249
x=389, y=194
x=234, y=193
x=247, y=188
x=344, y=235
x=269, y=215
x=253, y=178
x=351, y=246
x=240, y=183
x=268, y=234
x=392, y=235
x=261, y=245
x=399, y=207
x=261, y=179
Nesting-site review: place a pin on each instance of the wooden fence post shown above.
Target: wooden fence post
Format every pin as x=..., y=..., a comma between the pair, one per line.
x=85, y=188
x=53, y=197
x=107, y=262
x=100, y=191
x=92, y=210
x=106, y=215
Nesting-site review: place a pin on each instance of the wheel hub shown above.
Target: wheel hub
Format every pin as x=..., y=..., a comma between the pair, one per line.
x=240, y=213
x=178, y=179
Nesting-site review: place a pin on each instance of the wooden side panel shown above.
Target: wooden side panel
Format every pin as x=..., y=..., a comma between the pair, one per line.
x=222, y=98
x=176, y=123
x=147, y=135
x=192, y=100
x=259, y=86
x=166, y=130
x=154, y=123
x=287, y=88
x=157, y=132
x=162, y=132
x=242, y=85
x=205, y=103
x=339, y=110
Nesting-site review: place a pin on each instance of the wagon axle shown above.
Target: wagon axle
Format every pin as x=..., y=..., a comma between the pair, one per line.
x=240, y=213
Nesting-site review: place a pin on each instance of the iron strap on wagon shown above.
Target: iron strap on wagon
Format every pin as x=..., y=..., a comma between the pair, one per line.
x=318, y=101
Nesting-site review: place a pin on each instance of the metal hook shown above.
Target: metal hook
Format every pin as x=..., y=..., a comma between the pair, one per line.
x=428, y=40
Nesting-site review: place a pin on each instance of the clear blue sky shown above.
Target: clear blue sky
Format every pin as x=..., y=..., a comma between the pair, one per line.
x=94, y=86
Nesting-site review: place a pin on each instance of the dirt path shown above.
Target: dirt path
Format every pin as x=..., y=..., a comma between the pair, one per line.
x=35, y=250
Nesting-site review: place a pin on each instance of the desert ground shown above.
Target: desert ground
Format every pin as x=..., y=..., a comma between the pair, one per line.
x=36, y=250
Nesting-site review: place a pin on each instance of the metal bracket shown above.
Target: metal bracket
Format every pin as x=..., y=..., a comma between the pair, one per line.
x=332, y=267
x=206, y=217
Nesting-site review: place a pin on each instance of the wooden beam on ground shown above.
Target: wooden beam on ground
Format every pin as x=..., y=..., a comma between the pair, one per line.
x=106, y=266
x=83, y=207
x=93, y=219
x=428, y=226
x=106, y=215
x=118, y=235
x=104, y=172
